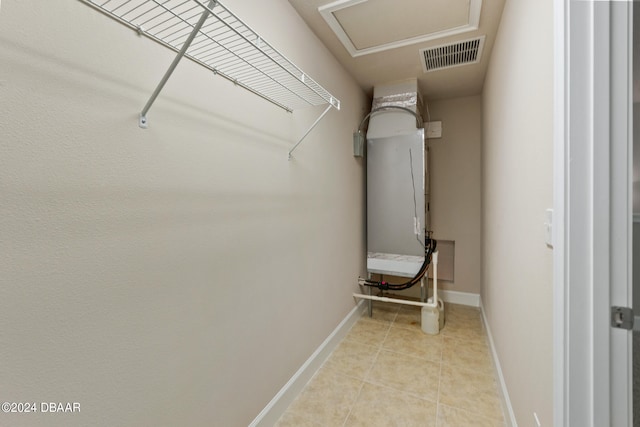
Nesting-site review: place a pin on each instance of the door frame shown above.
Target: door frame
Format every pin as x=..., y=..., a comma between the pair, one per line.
x=592, y=211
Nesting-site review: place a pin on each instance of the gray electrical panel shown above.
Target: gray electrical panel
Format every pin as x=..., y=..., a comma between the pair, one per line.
x=396, y=193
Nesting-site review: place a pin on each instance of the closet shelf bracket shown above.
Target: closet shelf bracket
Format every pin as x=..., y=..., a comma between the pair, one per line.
x=324, y=113
x=142, y=121
x=207, y=33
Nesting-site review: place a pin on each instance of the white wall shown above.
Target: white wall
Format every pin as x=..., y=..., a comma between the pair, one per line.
x=517, y=188
x=456, y=186
x=636, y=167
x=177, y=275
x=636, y=184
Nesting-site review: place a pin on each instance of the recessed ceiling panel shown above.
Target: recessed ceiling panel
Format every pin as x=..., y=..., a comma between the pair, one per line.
x=379, y=22
x=371, y=26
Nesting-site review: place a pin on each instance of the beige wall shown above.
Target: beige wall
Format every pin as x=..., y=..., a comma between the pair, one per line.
x=456, y=186
x=177, y=275
x=517, y=188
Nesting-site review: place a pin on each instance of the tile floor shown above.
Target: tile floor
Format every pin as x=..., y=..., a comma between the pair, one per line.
x=387, y=372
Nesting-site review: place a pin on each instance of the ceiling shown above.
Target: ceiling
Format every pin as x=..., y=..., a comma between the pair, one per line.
x=380, y=41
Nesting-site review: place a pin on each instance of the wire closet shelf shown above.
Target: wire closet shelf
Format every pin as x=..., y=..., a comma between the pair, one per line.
x=212, y=36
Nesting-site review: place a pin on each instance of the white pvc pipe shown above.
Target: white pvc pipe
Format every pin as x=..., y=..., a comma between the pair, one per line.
x=396, y=301
x=434, y=259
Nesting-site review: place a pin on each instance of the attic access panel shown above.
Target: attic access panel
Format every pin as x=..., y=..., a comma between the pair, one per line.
x=398, y=23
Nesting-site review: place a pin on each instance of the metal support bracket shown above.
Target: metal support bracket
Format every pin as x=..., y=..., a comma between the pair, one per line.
x=142, y=120
x=312, y=126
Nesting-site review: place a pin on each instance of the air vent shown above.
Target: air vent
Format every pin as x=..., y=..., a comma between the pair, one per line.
x=452, y=55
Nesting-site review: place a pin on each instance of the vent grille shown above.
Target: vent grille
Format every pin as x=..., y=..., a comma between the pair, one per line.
x=452, y=55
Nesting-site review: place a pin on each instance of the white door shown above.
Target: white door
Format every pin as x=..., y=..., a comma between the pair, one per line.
x=621, y=220
x=593, y=204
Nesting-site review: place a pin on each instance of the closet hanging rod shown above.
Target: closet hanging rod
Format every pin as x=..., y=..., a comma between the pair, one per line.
x=215, y=38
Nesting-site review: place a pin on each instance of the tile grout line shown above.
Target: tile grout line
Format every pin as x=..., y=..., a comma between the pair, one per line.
x=458, y=341
x=345, y=338
x=439, y=361
x=368, y=371
x=439, y=381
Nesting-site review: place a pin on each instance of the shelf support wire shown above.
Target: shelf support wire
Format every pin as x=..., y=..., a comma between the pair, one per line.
x=311, y=128
x=142, y=120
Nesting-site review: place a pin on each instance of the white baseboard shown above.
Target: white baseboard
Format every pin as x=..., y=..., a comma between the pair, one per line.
x=281, y=401
x=506, y=401
x=463, y=298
